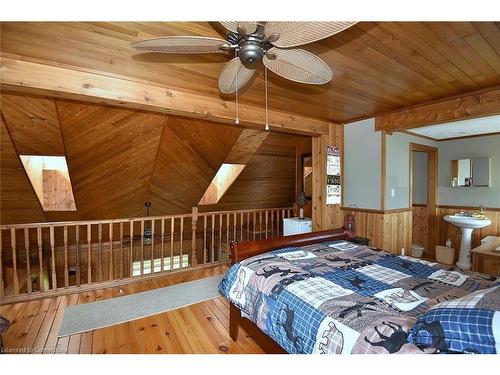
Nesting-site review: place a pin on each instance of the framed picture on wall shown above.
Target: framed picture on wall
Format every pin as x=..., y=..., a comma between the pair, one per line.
x=333, y=182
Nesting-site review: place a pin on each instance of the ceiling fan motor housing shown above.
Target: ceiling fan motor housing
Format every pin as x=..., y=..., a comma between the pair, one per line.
x=251, y=51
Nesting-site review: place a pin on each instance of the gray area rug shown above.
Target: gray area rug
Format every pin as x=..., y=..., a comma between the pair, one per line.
x=94, y=315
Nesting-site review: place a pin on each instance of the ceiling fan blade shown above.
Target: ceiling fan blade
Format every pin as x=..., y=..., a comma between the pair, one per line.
x=248, y=27
x=227, y=79
x=182, y=44
x=298, y=65
x=292, y=34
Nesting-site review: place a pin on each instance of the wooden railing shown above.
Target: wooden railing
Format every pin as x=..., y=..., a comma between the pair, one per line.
x=47, y=259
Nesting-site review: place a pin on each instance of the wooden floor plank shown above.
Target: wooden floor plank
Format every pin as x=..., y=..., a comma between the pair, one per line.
x=199, y=328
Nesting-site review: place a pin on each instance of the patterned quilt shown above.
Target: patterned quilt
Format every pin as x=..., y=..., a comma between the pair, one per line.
x=337, y=297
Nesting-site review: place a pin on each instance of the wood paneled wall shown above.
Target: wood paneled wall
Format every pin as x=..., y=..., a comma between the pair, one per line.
x=386, y=230
x=420, y=226
x=325, y=216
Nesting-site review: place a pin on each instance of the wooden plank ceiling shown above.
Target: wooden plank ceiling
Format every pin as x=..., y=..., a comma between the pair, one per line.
x=378, y=66
x=120, y=158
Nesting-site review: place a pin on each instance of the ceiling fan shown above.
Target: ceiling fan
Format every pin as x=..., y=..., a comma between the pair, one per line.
x=255, y=42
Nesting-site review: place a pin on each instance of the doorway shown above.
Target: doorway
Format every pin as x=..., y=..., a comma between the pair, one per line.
x=423, y=196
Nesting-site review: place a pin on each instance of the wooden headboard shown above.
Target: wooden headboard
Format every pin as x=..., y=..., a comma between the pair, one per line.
x=244, y=250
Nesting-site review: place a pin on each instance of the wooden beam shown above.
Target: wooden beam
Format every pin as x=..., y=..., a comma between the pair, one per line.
x=71, y=83
x=472, y=105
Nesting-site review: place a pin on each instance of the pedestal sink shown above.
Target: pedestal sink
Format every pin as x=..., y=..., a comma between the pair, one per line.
x=466, y=224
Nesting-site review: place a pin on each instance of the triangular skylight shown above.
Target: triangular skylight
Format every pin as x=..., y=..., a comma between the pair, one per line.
x=224, y=178
x=50, y=179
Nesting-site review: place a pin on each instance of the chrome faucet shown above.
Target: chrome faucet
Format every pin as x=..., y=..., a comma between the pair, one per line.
x=481, y=210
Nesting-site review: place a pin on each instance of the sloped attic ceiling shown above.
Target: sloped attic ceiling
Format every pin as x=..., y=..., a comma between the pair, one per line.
x=117, y=158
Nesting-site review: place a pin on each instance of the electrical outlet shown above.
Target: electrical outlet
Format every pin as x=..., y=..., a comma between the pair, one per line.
x=393, y=192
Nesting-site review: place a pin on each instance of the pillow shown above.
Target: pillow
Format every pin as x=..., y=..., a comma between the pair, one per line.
x=470, y=324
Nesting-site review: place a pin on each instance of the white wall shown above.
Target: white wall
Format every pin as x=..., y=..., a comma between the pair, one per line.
x=419, y=177
x=362, y=169
x=487, y=146
x=398, y=168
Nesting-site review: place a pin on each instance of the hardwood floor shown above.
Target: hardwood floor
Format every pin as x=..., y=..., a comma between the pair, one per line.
x=199, y=328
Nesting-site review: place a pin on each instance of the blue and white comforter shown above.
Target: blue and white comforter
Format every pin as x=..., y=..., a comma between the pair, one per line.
x=325, y=299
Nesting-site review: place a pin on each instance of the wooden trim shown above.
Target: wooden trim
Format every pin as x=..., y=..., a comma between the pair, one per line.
x=467, y=106
x=370, y=210
x=342, y=164
x=409, y=132
x=418, y=205
x=98, y=87
x=383, y=169
x=494, y=209
x=432, y=190
x=244, y=250
x=468, y=136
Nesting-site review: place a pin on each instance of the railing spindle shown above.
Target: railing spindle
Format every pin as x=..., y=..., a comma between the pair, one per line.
x=53, y=257
x=235, y=218
x=204, y=239
x=28, y=260
x=121, y=250
x=110, y=266
x=277, y=223
x=14, y=260
x=162, y=250
x=260, y=225
x=142, y=247
x=2, y=286
x=99, y=252
x=89, y=254
x=40, y=259
x=172, y=228
x=152, y=222
x=131, y=249
x=194, y=224
x=219, y=250
x=254, y=223
x=266, y=223
x=227, y=229
x=241, y=227
x=181, y=254
x=77, y=247
x=212, y=242
x=66, y=271
x=272, y=223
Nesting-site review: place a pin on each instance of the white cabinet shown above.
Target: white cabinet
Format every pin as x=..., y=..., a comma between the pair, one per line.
x=294, y=225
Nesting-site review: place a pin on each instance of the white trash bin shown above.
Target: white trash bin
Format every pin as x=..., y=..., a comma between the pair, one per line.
x=417, y=250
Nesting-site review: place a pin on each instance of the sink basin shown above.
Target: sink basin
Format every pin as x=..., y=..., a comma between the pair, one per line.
x=463, y=221
x=466, y=224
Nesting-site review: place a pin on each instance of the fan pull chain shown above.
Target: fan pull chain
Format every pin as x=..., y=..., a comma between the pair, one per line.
x=265, y=85
x=237, y=119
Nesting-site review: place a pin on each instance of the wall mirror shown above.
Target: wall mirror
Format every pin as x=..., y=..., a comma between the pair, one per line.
x=471, y=172
x=307, y=175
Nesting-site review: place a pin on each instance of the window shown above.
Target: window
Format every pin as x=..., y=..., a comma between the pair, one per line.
x=136, y=266
x=50, y=179
x=224, y=178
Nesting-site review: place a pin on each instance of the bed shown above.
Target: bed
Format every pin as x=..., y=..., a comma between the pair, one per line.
x=320, y=293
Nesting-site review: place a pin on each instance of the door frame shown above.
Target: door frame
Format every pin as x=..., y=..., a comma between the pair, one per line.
x=432, y=192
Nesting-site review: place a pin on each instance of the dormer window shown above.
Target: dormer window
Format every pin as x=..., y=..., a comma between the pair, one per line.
x=50, y=179
x=224, y=178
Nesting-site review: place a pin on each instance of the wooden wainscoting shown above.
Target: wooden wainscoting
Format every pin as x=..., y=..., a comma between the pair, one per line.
x=420, y=226
x=389, y=230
